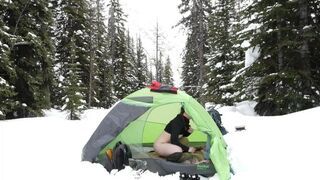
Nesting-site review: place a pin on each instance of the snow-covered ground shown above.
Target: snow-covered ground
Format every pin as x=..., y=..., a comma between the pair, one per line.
x=279, y=147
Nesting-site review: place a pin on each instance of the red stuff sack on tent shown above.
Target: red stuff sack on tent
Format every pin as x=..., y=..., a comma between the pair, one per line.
x=158, y=87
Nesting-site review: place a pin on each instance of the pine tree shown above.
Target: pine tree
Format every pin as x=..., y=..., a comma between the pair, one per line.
x=131, y=54
x=189, y=69
x=167, y=74
x=92, y=33
x=31, y=53
x=56, y=90
x=132, y=59
x=103, y=80
x=73, y=99
x=73, y=22
x=141, y=65
x=284, y=66
x=196, y=22
x=150, y=75
x=6, y=98
x=313, y=34
x=225, y=56
x=7, y=73
x=122, y=79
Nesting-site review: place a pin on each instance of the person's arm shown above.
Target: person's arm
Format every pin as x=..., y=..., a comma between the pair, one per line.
x=188, y=132
x=175, y=130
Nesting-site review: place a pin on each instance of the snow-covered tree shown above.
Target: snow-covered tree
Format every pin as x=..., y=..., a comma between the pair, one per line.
x=190, y=69
x=132, y=59
x=167, y=73
x=225, y=57
x=72, y=22
x=99, y=91
x=102, y=77
x=92, y=34
x=141, y=65
x=7, y=73
x=285, y=35
x=31, y=54
x=121, y=71
x=312, y=32
x=73, y=99
x=196, y=14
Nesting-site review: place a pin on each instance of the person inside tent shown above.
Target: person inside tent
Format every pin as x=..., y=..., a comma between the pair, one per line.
x=169, y=144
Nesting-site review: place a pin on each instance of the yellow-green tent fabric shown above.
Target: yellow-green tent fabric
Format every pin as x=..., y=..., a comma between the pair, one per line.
x=140, y=117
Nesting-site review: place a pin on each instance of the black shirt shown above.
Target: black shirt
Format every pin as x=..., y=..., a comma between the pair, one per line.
x=178, y=126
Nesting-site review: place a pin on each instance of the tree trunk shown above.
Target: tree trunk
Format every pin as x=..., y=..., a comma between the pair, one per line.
x=92, y=57
x=280, y=51
x=200, y=45
x=304, y=49
x=157, y=52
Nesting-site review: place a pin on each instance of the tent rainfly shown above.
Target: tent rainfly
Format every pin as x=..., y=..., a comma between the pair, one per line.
x=139, y=118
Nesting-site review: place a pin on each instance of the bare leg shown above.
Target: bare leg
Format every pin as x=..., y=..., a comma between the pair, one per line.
x=163, y=147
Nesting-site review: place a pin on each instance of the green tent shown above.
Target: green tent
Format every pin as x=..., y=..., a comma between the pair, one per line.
x=139, y=119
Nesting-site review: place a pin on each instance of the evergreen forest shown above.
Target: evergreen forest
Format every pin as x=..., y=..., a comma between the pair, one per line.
x=77, y=54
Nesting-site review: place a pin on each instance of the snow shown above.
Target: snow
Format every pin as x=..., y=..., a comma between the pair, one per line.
x=32, y=35
x=313, y=15
x=307, y=27
x=251, y=55
x=2, y=81
x=218, y=65
x=280, y=147
x=245, y=44
x=277, y=147
x=252, y=26
x=6, y=28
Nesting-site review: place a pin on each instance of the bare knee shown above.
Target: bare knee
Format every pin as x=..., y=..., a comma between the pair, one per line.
x=176, y=148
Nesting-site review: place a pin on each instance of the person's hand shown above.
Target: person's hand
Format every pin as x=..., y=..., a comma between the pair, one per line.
x=199, y=148
x=192, y=149
x=190, y=130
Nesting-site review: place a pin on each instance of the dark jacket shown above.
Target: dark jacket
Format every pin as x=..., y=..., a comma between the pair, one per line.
x=178, y=126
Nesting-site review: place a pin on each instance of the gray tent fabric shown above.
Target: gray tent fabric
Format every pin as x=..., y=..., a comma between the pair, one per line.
x=146, y=99
x=114, y=122
x=163, y=167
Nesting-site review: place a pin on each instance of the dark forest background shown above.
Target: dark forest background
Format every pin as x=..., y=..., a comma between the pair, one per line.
x=72, y=55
